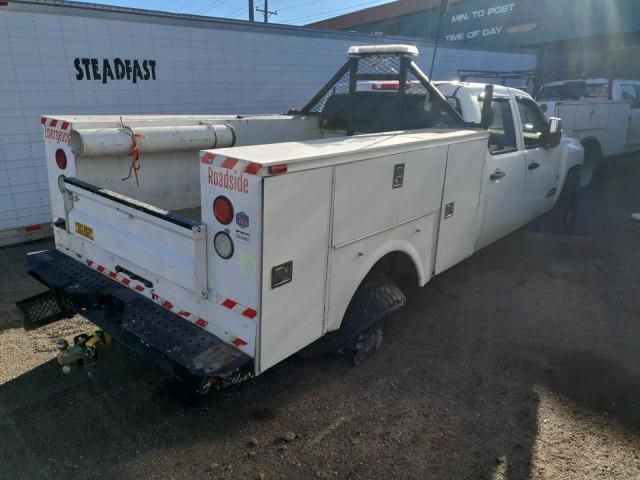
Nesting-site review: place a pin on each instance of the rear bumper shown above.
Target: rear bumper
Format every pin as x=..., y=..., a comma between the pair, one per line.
x=182, y=349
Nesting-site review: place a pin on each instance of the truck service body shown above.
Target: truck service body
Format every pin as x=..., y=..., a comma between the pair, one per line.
x=604, y=114
x=74, y=58
x=219, y=265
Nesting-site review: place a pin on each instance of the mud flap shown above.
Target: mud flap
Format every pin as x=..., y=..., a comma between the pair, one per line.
x=377, y=297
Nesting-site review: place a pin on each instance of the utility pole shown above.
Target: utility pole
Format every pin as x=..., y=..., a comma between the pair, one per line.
x=251, y=19
x=266, y=11
x=444, y=6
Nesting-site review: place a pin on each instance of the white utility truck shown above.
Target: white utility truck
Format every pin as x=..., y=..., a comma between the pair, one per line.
x=604, y=114
x=283, y=235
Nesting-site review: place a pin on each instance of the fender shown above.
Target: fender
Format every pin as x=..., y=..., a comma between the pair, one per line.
x=392, y=246
x=572, y=157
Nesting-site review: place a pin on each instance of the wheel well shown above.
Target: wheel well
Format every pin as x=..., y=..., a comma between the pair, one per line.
x=396, y=264
x=591, y=142
x=575, y=169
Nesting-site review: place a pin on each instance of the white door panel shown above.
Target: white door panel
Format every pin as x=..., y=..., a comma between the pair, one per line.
x=541, y=163
x=297, y=211
x=505, y=176
x=541, y=180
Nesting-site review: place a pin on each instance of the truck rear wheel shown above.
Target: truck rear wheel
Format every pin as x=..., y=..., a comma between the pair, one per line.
x=562, y=218
x=591, y=164
x=360, y=334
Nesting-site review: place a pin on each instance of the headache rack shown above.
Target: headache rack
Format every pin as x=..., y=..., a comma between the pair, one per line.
x=388, y=63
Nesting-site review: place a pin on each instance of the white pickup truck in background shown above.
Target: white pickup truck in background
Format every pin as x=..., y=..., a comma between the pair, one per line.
x=604, y=114
x=284, y=232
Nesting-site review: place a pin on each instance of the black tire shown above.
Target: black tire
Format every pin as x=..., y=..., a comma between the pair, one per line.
x=376, y=298
x=592, y=165
x=562, y=218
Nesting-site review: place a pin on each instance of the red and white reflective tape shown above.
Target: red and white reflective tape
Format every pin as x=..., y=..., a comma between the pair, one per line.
x=236, y=307
x=167, y=304
x=53, y=123
x=231, y=163
x=133, y=284
x=200, y=322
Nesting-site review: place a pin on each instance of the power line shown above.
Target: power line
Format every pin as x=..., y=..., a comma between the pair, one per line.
x=266, y=11
x=210, y=6
x=168, y=4
x=330, y=12
x=299, y=5
x=188, y=4
x=235, y=11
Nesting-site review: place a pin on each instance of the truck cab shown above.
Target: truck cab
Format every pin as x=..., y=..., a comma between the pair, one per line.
x=524, y=157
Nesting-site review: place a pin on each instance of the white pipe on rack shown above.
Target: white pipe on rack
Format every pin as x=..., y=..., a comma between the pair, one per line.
x=118, y=141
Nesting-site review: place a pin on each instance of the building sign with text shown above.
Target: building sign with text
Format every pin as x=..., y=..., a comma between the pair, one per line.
x=491, y=20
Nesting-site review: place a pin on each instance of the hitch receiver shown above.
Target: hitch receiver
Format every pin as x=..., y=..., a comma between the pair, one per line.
x=85, y=348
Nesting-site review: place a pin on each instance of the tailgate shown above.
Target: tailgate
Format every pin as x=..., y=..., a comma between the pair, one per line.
x=168, y=245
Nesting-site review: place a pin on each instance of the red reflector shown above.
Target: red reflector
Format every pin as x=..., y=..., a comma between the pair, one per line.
x=253, y=168
x=33, y=228
x=201, y=323
x=276, y=169
x=61, y=159
x=223, y=210
x=238, y=342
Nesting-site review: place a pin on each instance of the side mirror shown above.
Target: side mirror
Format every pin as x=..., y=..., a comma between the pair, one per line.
x=555, y=132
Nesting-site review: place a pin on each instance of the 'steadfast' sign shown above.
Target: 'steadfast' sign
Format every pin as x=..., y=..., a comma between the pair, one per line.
x=106, y=69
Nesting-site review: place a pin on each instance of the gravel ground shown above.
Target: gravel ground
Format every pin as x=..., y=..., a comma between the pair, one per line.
x=521, y=362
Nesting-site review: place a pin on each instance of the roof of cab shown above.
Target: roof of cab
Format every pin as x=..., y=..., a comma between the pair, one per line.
x=588, y=81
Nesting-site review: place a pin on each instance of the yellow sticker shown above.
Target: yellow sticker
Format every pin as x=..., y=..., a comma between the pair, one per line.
x=84, y=230
x=247, y=264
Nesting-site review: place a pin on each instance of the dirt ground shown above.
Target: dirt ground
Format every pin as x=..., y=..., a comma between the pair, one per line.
x=521, y=362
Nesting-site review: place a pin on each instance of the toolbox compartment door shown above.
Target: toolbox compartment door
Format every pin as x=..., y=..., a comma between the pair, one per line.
x=168, y=245
x=459, y=225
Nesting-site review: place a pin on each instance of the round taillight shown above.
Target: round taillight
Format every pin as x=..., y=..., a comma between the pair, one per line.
x=223, y=210
x=61, y=159
x=223, y=244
